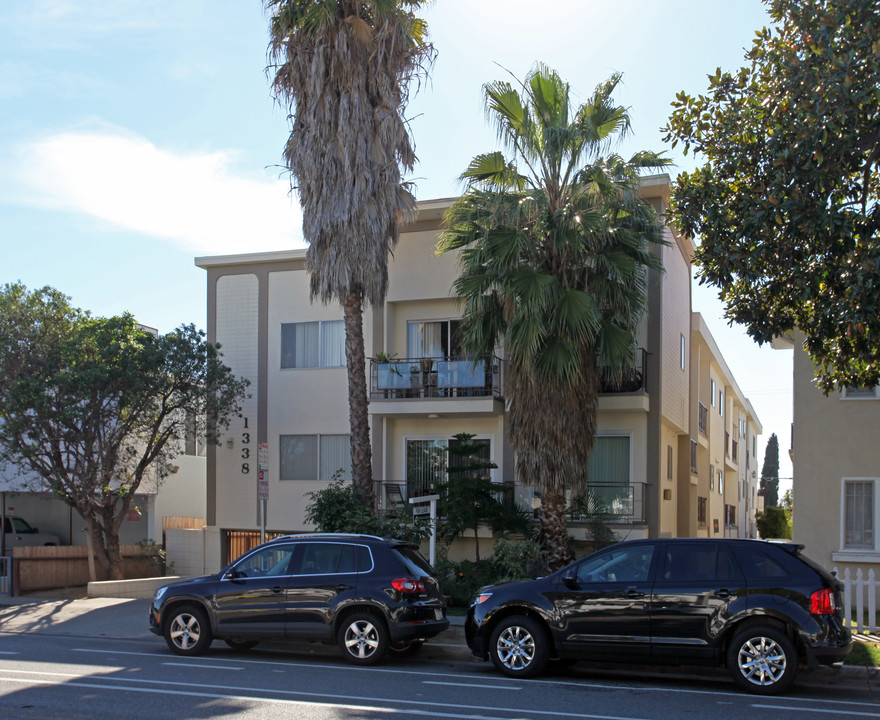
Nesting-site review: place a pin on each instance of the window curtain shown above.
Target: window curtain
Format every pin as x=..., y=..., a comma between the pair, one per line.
x=299, y=345
x=299, y=457
x=333, y=343
x=335, y=456
x=426, y=339
x=609, y=474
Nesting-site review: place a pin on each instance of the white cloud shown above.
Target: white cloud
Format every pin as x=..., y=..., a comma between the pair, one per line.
x=195, y=201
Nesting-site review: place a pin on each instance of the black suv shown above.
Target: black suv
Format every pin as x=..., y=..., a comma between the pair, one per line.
x=759, y=607
x=370, y=595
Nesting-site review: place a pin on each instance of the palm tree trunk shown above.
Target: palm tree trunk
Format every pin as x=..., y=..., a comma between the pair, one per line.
x=552, y=515
x=358, y=415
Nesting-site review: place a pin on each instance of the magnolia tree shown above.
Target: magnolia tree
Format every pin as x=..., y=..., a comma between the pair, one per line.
x=94, y=406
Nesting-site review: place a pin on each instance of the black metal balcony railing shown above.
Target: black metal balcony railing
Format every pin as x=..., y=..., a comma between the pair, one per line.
x=435, y=378
x=620, y=503
x=703, y=420
x=395, y=495
x=634, y=379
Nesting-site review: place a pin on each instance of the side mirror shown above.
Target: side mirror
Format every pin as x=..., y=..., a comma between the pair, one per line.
x=233, y=575
x=570, y=580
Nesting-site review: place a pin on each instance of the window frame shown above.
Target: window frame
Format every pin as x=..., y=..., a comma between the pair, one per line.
x=845, y=393
x=318, y=475
x=845, y=553
x=322, y=364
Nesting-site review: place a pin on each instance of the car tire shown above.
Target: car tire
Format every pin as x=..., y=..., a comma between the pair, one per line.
x=187, y=631
x=363, y=639
x=404, y=650
x=762, y=660
x=519, y=647
x=241, y=644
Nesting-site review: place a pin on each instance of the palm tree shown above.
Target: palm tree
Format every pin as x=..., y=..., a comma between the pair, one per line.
x=554, y=244
x=343, y=68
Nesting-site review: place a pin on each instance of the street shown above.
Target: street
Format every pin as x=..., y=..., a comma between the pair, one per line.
x=45, y=676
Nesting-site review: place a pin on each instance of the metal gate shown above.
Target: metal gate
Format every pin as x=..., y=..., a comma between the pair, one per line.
x=5, y=576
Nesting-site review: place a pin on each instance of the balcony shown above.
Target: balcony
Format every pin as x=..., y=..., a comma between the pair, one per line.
x=410, y=378
x=703, y=420
x=394, y=495
x=634, y=378
x=624, y=504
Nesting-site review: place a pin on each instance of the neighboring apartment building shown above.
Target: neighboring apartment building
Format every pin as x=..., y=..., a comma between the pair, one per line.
x=721, y=480
x=422, y=392
x=836, y=460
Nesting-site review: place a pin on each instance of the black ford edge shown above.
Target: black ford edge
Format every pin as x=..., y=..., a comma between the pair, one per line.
x=760, y=608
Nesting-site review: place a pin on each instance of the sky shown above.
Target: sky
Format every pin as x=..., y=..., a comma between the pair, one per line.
x=137, y=136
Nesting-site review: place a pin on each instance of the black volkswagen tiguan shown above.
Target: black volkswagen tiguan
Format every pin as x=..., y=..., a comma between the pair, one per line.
x=370, y=595
x=760, y=608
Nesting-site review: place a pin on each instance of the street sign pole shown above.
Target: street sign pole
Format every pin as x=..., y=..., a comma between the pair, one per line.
x=263, y=485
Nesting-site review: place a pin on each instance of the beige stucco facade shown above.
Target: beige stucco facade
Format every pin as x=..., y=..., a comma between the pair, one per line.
x=834, y=445
x=252, y=297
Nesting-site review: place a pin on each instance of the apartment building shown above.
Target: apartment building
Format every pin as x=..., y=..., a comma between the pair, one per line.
x=721, y=479
x=423, y=392
x=836, y=462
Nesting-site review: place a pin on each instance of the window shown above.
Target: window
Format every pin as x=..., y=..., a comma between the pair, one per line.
x=859, y=512
x=730, y=515
x=313, y=344
x=711, y=477
x=693, y=456
x=314, y=457
x=860, y=392
x=683, y=359
x=698, y=562
x=712, y=386
x=433, y=339
x=721, y=482
x=669, y=462
x=609, y=474
x=426, y=462
x=702, y=511
x=328, y=558
x=721, y=402
x=628, y=564
x=267, y=562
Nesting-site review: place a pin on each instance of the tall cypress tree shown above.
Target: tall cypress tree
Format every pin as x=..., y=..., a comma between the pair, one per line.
x=769, y=487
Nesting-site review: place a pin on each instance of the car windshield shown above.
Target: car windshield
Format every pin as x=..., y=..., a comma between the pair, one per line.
x=20, y=526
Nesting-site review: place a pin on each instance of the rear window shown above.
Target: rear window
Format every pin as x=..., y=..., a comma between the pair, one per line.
x=768, y=562
x=414, y=562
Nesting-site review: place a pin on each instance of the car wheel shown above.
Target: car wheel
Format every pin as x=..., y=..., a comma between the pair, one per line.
x=241, y=644
x=519, y=647
x=187, y=631
x=363, y=639
x=403, y=650
x=762, y=659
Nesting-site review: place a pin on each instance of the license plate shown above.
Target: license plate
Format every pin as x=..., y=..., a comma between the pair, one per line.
x=438, y=614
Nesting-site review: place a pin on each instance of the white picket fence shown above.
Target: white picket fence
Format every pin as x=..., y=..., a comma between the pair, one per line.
x=859, y=596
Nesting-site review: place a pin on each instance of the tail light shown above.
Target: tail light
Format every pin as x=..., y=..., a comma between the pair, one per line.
x=409, y=586
x=822, y=602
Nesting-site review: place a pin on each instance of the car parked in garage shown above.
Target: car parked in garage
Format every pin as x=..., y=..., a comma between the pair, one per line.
x=760, y=608
x=20, y=533
x=369, y=595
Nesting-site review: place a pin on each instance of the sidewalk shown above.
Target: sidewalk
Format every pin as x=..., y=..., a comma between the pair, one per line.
x=74, y=614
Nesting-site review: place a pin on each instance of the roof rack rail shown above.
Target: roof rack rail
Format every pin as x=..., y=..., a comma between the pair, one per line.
x=327, y=534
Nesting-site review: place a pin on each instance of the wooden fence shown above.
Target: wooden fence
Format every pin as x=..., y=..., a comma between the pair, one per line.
x=50, y=567
x=860, y=600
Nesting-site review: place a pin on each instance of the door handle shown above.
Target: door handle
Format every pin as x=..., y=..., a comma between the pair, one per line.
x=633, y=593
x=342, y=587
x=277, y=588
x=722, y=593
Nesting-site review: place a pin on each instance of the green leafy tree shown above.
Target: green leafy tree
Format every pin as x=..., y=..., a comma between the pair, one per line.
x=555, y=243
x=343, y=68
x=769, y=486
x=94, y=406
x=469, y=497
x=774, y=523
x=339, y=508
x=786, y=204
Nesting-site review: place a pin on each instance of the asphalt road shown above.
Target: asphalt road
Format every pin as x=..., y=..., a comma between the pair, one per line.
x=90, y=677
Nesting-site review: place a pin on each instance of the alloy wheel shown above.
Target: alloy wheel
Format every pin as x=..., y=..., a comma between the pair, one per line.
x=762, y=661
x=516, y=647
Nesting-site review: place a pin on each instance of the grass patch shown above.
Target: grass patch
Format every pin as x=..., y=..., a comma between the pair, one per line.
x=864, y=654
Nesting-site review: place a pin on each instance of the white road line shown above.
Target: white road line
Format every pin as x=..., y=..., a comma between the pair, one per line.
x=639, y=684
x=469, y=685
x=822, y=711
x=434, y=711
x=203, y=667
